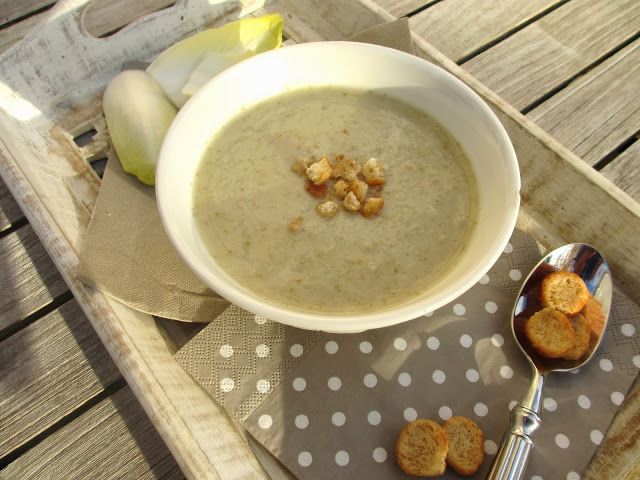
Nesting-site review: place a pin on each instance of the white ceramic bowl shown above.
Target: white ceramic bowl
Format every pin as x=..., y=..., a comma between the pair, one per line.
x=355, y=65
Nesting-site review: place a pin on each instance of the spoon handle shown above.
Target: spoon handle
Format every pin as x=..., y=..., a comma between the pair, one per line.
x=511, y=461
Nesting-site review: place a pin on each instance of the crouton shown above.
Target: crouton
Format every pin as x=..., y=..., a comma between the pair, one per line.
x=318, y=191
x=466, y=445
x=373, y=172
x=351, y=203
x=550, y=332
x=582, y=335
x=341, y=188
x=300, y=165
x=564, y=291
x=346, y=168
x=421, y=449
x=327, y=209
x=295, y=224
x=359, y=188
x=320, y=171
x=372, y=206
x=592, y=311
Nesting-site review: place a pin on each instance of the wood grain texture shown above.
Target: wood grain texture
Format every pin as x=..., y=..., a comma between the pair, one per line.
x=13, y=9
x=9, y=209
x=459, y=27
x=105, y=16
x=598, y=111
x=624, y=171
x=28, y=278
x=113, y=440
x=49, y=369
x=400, y=8
x=10, y=35
x=542, y=56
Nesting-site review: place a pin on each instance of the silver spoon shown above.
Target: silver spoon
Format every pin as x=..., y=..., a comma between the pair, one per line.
x=584, y=260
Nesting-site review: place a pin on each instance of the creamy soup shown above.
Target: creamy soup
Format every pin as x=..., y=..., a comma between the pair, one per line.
x=246, y=196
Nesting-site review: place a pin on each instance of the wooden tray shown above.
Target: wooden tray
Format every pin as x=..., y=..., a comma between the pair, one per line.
x=51, y=85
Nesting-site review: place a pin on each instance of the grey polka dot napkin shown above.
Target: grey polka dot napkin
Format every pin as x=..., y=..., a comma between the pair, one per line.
x=331, y=406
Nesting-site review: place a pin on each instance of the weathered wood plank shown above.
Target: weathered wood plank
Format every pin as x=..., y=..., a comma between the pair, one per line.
x=542, y=56
x=9, y=209
x=105, y=16
x=48, y=369
x=460, y=27
x=13, y=33
x=113, y=440
x=400, y=8
x=600, y=110
x=28, y=278
x=624, y=171
x=13, y=9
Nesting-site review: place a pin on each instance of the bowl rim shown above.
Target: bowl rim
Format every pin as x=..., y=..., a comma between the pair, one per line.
x=331, y=322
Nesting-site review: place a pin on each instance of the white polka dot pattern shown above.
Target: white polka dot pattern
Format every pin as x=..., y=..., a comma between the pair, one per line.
x=433, y=343
x=490, y=447
x=472, y=375
x=262, y=351
x=379, y=455
x=305, y=459
x=296, y=350
x=226, y=351
x=342, y=458
x=550, y=404
x=370, y=380
x=302, y=421
x=366, y=347
x=355, y=392
x=439, y=377
x=334, y=383
x=374, y=417
x=404, y=379
x=265, y=421
x=410, y=414
x=338, y=419
x=584, y=402
x=400, y=344
x=445, y=412
x=331, y=347
x=562, y=441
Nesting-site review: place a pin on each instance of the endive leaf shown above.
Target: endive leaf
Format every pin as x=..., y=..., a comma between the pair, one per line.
x=183, y=68
x=138, y=114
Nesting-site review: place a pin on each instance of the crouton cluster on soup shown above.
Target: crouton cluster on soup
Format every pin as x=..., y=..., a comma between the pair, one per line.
x=247, y=197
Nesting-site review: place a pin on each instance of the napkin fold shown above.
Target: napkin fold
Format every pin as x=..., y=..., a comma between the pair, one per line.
x=127, y=254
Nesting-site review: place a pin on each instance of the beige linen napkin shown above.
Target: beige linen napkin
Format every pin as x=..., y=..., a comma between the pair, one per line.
x=127, y=254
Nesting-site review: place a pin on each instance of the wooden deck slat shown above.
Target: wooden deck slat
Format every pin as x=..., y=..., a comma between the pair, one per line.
x=49, y=369
x=600, y=110
x=9, y=209
x=460, y=27
x=105, y=16
x=28, y=278
x=400, y=8
x=539, y=58
x=13, y=9
x=624, y=171
x=113, y=440
x=12, y=34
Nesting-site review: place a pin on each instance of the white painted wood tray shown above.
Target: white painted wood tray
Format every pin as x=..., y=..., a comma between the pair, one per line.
x=51, y=84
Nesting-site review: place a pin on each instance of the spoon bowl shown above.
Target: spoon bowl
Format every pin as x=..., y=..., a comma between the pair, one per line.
x=586, y=262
